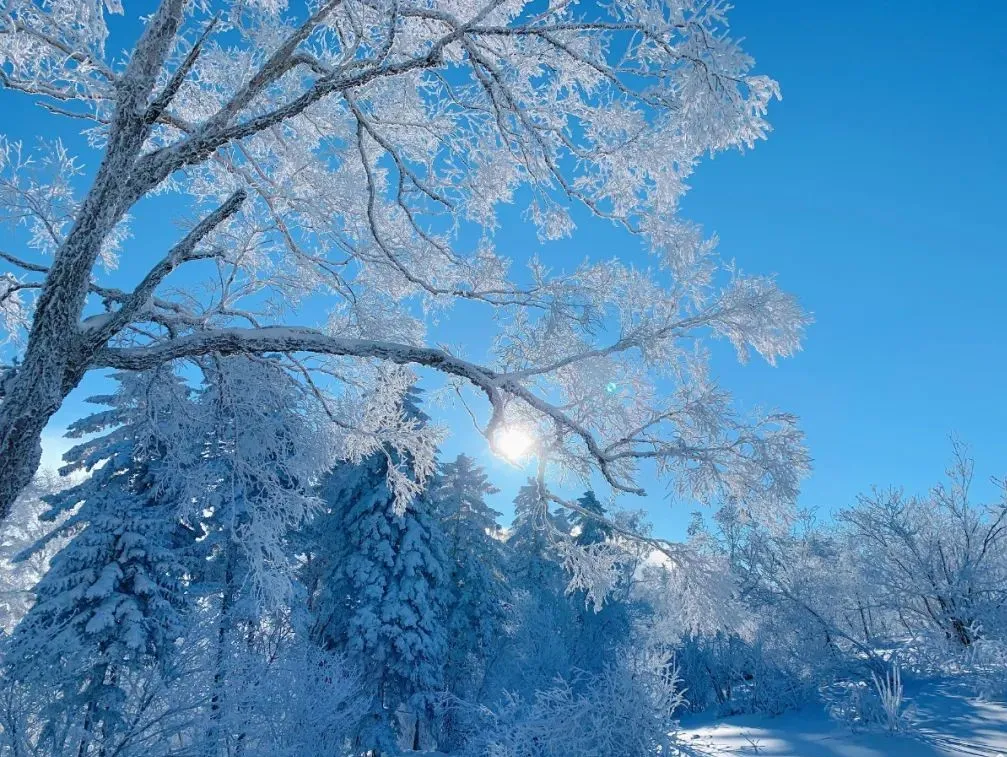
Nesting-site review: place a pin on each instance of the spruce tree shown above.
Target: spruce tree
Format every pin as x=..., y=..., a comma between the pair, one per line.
x=591, y=528
x=533, y=537
x=381, y=578
x=112, y=600
x=600, y=630
x=543, y=618
x=477, y=583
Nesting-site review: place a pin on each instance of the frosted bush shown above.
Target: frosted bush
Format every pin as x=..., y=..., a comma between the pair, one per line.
x=627, y=710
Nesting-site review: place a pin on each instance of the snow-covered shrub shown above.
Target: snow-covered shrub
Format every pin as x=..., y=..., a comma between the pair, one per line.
x=627, y=710
x=853, y=703
x=725, y=671
x=304, y=701
x=144, y=714
x=987, y=668
x=876, y=704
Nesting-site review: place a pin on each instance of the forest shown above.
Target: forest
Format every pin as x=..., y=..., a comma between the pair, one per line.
x=293, y=293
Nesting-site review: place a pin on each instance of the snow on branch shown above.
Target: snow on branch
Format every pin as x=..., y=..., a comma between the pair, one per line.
x=182, y=252
x=351, y=149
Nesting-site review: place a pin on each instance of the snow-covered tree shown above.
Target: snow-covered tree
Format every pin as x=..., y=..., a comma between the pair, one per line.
x=937, y=562
x=602, y=625
x=356, y=155
x=542, y=620
x=476, y=581
x=591, y=530
x=535, y=560
x=262, y=447
x=764, y=615
x=259, y=454
x=380, y=575
x=111, y=603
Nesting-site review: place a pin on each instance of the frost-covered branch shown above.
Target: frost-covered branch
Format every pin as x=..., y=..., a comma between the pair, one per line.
x=369, y=140
x=100, y=331
x=500, y=388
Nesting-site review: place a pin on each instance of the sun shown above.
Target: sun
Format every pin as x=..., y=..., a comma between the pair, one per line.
x=513, y=443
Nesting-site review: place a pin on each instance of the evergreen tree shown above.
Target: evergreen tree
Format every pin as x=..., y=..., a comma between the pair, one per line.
x=542, y=615
x=534, y=557
x=478, y=589
x=111, y=602
x=591, y=530
x=381, y=577
x=560, y=522
x=600, y=630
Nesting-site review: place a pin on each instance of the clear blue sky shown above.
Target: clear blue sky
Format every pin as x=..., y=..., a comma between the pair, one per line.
x=876, y=201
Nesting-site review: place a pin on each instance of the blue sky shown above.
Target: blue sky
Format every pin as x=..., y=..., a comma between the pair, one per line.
x=875, y=201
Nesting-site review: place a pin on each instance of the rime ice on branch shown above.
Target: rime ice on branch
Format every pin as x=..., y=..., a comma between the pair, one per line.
x=347, y=150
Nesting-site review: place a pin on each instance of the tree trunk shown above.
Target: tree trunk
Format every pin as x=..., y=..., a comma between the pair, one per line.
x=863, y=622
x=213, y=735
x=33, y=396
x=84, y=740
x=416, y=734
x=58, y=354
x=962, y=632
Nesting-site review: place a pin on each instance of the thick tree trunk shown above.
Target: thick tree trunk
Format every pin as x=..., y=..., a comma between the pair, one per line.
x=49, y=371
x=58, y=355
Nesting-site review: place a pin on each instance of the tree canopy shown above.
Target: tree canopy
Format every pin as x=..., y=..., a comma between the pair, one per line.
x=359, y=153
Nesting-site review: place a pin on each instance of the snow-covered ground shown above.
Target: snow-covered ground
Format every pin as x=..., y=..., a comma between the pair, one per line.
x=948, y=724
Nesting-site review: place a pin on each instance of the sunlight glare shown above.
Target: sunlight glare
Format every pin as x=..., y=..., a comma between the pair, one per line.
x=513, y=443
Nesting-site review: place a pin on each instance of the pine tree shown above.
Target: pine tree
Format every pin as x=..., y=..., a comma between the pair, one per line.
x=591, y=530
x=112, y=600
x=534, y=557
x=478, y=589
x=381, y=578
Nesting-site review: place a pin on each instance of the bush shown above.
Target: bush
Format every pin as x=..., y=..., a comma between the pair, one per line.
x=735, y=676
x=627, y=710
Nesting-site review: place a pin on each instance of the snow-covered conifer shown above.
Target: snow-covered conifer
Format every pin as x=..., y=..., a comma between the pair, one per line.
x=602, y=626
x=477, y=580
x=542, y=618
x=535, y=560
x=111, y=602
x=382, y=575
